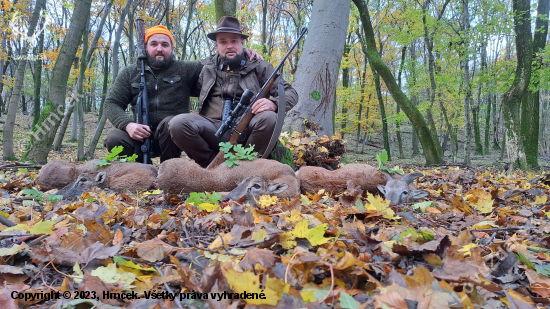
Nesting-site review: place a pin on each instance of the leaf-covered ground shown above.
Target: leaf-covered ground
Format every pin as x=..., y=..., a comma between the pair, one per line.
x=480, y=240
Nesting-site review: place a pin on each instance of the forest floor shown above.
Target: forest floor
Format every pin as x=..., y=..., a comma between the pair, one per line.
x=480, y=240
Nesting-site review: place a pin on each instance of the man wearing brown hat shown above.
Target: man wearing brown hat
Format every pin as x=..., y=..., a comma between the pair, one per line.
x=224, y=78
x=169, y=84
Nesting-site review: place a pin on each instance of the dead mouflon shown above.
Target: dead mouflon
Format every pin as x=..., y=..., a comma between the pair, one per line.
x=251, y=188
x=84, y=183
x=399, y=191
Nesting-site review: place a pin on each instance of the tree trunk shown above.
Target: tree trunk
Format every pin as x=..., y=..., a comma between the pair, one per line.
x=103, y=119
x=398, y=110
x=264, y=27
x=74, y=98
x=318, y=67
x=105, y=81
x=487, y=123
x=382, y=112
x=363, y=82
x=225, y=8
x=186, y=33
x=46, y=128
x=7, y=147
x=511, y=100
x=465, y=27
x=81, y=98
x=531, y=110
x=345, y=86
x=414, y=99
x=429, y=146
x=38, y=77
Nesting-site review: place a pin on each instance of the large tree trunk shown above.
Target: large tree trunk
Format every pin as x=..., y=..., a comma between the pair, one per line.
x=318, y=67
x=225, y=8
x=531, y=110
x=46, y=128
x=511, y=100
x=429, y=146
x=102, y=118
x=7, y=147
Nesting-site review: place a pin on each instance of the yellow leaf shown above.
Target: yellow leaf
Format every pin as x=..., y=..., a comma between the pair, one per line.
x=260, y=235
x=323, y=149
x=379, y=204
x=247, y=282
x=19, y=227
x=467, y=249
x=79, y=275
x=484, y=225
x=208, y=207
x=540, y=200
x=301, y=230
x=484, y=205
x=266, y=201
x=307, y=296
x=110, y=274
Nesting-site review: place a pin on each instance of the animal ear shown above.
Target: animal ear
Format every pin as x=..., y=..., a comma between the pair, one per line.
x=416, y=194
x=382, y=189
x=387, y=177
x=277, y=187
x=100, y=177
x=412, y=176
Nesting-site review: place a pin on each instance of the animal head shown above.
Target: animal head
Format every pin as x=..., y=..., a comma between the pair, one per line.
x=251, y=188
x=398, y=191
x=85, y=182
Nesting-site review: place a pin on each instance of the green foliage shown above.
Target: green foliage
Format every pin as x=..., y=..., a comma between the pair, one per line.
x=114, y=157
x=543, y=270
x=421, y=236
x=39, y=195
x=316, y=95
x=197, y=198
x=236, y=153
x=382, y=158
x=525, y=260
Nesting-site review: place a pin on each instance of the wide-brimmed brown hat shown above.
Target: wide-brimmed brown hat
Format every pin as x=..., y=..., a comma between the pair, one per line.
x=227, y=24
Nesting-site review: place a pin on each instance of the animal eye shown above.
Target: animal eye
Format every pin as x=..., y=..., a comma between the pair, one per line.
x=256, y=186
x=405, y=192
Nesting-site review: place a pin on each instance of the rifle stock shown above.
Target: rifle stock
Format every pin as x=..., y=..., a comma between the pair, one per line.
x=243, y=123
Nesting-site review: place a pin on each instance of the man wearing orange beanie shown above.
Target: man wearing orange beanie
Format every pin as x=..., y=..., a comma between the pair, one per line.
x=170, y=83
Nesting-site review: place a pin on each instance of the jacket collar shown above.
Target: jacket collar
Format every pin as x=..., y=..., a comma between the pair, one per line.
x=250, y=65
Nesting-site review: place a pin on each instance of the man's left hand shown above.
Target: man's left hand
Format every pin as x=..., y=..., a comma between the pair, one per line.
x=262, y=105
x=251, y=54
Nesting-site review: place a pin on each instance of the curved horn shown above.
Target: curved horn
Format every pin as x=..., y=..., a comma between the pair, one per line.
x=387, y=177
x=412, y=176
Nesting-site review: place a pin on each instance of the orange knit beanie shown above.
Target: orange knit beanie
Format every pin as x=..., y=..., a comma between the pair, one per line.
x=158, y=30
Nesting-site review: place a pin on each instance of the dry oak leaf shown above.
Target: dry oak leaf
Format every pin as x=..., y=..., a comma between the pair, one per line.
x=98, y=251
x=517, y=301
x=391, y=300
x=5, y=295
x=154, y=250
x=265, y=257
x=436, y=246
x=95, y=284
x=539, y=283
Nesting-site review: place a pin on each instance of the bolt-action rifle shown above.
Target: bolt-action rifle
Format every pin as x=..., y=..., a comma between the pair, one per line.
x=244, y=109
x=142, y=106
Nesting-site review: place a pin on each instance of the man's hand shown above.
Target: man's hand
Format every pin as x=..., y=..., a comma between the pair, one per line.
x=251, y=54
x=263, y=105
x=138, y=131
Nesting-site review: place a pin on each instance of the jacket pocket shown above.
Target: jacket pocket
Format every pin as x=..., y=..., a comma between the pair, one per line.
x=172, y=79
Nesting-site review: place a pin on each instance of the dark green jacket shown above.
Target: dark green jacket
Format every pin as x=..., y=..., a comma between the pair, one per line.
x=168, y=92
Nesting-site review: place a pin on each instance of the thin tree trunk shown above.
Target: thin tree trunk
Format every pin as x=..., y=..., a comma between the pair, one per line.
x=46, y=128
x=511, y=100
x=398, y=109
x=465, y=25
x=7, y=147
x=385, y=135
x=345, y=85
x=264, y=26
x=363, y=82
x=81, y=98
x=531, y=109
x=38, y=77
x=429, y=146
x=69, y=112
x=103, y=119
x=186, y=33
x=487, y=123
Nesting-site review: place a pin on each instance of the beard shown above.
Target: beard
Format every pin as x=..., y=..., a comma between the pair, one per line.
x=160, y=64
x=234, y=62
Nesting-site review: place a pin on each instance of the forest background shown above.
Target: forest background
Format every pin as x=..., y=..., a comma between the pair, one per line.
x=428, y=81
